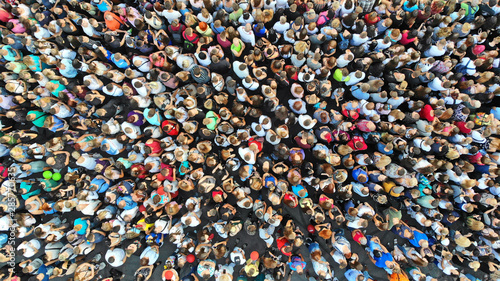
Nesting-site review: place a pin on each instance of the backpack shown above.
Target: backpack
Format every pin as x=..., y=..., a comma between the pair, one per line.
x=462, y=68
x=322, y=19
x=344, y=43
x=188, y=45
x=471, y=13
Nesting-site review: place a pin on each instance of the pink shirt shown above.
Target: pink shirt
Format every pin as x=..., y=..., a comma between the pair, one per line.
x=18, y=26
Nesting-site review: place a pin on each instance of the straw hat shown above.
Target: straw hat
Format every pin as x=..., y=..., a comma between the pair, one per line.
x=186, y=185
x=312, y=99
x=190, y=102
x=190, y=127
x=181, y=153
x=256, y=183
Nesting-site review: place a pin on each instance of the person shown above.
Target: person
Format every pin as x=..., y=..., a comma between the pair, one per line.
x=128, y=126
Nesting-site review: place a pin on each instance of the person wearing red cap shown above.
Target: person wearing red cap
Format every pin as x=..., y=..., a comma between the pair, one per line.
x=170, y=275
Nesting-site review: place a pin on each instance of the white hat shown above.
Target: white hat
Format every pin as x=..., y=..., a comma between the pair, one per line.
x=307, y=122
x=247, y=155
x=258, y=129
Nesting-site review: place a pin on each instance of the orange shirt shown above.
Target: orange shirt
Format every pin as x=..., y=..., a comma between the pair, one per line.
x=113, y=24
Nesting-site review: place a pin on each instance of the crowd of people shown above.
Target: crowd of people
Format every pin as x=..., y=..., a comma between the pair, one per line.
x=131, y=125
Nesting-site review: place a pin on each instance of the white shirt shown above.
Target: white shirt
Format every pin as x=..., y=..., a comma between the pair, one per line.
x=247, y=37
x=434, y=51
x=151, y=254
x=281, y=28
x=5, y=223
x=238, y=72
x=118, y=254
x=171, y=15
x=356, y=40
x=354, y=80
x=342, y=61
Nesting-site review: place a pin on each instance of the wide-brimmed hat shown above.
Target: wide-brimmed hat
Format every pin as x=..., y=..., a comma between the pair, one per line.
x=312, y=99
x=190, y=102
x=181, y=153
x=247, y=155
x=256, y=182
x=186, y=185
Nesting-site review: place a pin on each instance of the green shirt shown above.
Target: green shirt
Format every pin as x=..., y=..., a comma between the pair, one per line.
x=236, y=48
x=59, y=88
x=337, y=75
x=234, y=16
x=39, y=119
x=392, y=213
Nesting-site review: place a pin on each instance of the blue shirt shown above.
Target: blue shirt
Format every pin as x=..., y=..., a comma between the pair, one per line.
x=129, y=203
x=418, y=236
x=296, y=261
x=84, y=224
x=69, y=71
x=380, y=262
x=409, y=9
x=119, y=63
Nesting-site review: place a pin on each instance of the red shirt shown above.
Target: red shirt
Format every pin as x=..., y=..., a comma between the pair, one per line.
x=427, y=113
x=404, y=38
x=155, y=146
x=5, y=16
x=354, y=140
x=463, y=129
x=282, y=243
x=368, y=22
